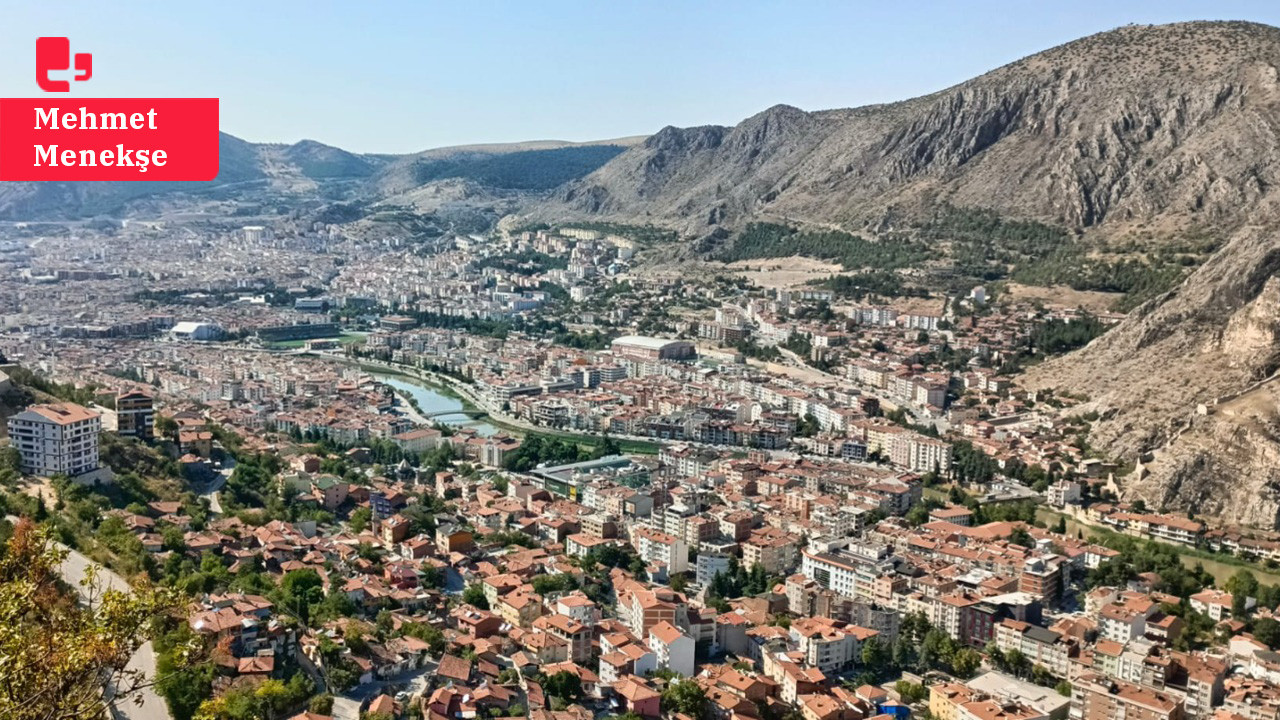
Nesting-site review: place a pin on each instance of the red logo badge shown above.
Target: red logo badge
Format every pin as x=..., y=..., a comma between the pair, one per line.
x=70, y=139
x=54, y=53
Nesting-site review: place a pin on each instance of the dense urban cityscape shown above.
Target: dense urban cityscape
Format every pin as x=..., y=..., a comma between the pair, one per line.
x=510, y=475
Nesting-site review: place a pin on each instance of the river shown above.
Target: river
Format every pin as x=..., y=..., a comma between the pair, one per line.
x=431, y=400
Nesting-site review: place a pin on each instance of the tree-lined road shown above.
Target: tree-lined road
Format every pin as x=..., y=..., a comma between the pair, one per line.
x=145, y=704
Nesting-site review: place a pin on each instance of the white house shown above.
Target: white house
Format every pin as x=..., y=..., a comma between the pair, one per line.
x=674, y=649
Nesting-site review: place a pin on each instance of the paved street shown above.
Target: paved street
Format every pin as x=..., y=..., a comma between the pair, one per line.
x=212, y=490
x=345, y=708
x=414, y=682
x=152, y=706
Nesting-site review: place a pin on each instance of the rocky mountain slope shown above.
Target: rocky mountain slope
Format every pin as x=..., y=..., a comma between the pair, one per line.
x=1187, y=388
x=1167, y=124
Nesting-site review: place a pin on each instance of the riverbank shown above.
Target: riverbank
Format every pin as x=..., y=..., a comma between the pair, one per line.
x=444, y=384
x=428, y=405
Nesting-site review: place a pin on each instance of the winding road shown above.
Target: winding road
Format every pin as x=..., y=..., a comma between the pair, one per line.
x=146, y=704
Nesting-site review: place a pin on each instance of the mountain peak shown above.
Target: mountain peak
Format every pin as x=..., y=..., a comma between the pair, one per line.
x=1119, y=127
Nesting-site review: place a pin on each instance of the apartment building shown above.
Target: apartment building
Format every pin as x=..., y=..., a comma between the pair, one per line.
x=1126, y=618
x=55, y=439
x=135, y=414
x=827, y=645
x=846, y=574
x=661, y=548
x=1039, y=645
x=770, y=548
x=1217, y=604
x=674, y=649
x=575, y=634
x=1095, y=697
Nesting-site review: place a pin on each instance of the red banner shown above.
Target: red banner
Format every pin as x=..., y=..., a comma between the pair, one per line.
x=69, y=139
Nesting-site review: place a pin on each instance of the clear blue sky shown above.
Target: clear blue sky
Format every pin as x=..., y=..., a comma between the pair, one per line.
x=405, y=76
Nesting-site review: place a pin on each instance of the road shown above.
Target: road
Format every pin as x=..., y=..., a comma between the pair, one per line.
x=152, y=706
x=347, y=705
x=215, y=485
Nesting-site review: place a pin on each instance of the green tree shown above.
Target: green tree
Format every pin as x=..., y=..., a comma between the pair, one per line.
x=1040, y=675
x=936, y=650
x=1267, y=632
x=360, y=519
x=875, y=656
x=1017, y=663
x=166, y=427
x=429, y=634
x=384, y=624
x=994, y=654
x=1242, y=582
x=686, y=696
x=299, y=590
x=904, y=652
x=564, y=685
x=965, y=662
x=1020, y=536
x=56, y=653
x=474, y=595
x=910, y=692
x=1240, y=606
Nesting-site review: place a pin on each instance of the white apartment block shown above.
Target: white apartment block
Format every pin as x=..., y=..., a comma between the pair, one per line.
x=925, y=454
x=659, y=547
x=839, y=573
x=1063, y=493
x=56, y=439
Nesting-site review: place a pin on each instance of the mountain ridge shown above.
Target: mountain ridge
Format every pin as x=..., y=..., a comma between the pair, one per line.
x=1079, y=107
x=1143, y=137
x=288, y=168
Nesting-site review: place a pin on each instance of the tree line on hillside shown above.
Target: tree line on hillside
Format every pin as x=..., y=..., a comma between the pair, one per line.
x=523, y=170
x=771, y=240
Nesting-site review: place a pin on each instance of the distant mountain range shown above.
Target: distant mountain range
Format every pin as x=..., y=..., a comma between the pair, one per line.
x=249, y=168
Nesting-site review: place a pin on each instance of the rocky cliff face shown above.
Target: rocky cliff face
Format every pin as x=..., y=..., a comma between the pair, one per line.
x=1171, y=124
x=1186, y=386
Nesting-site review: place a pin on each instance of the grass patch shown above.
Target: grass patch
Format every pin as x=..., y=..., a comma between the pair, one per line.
x=1220, y=565
x=343, y=339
